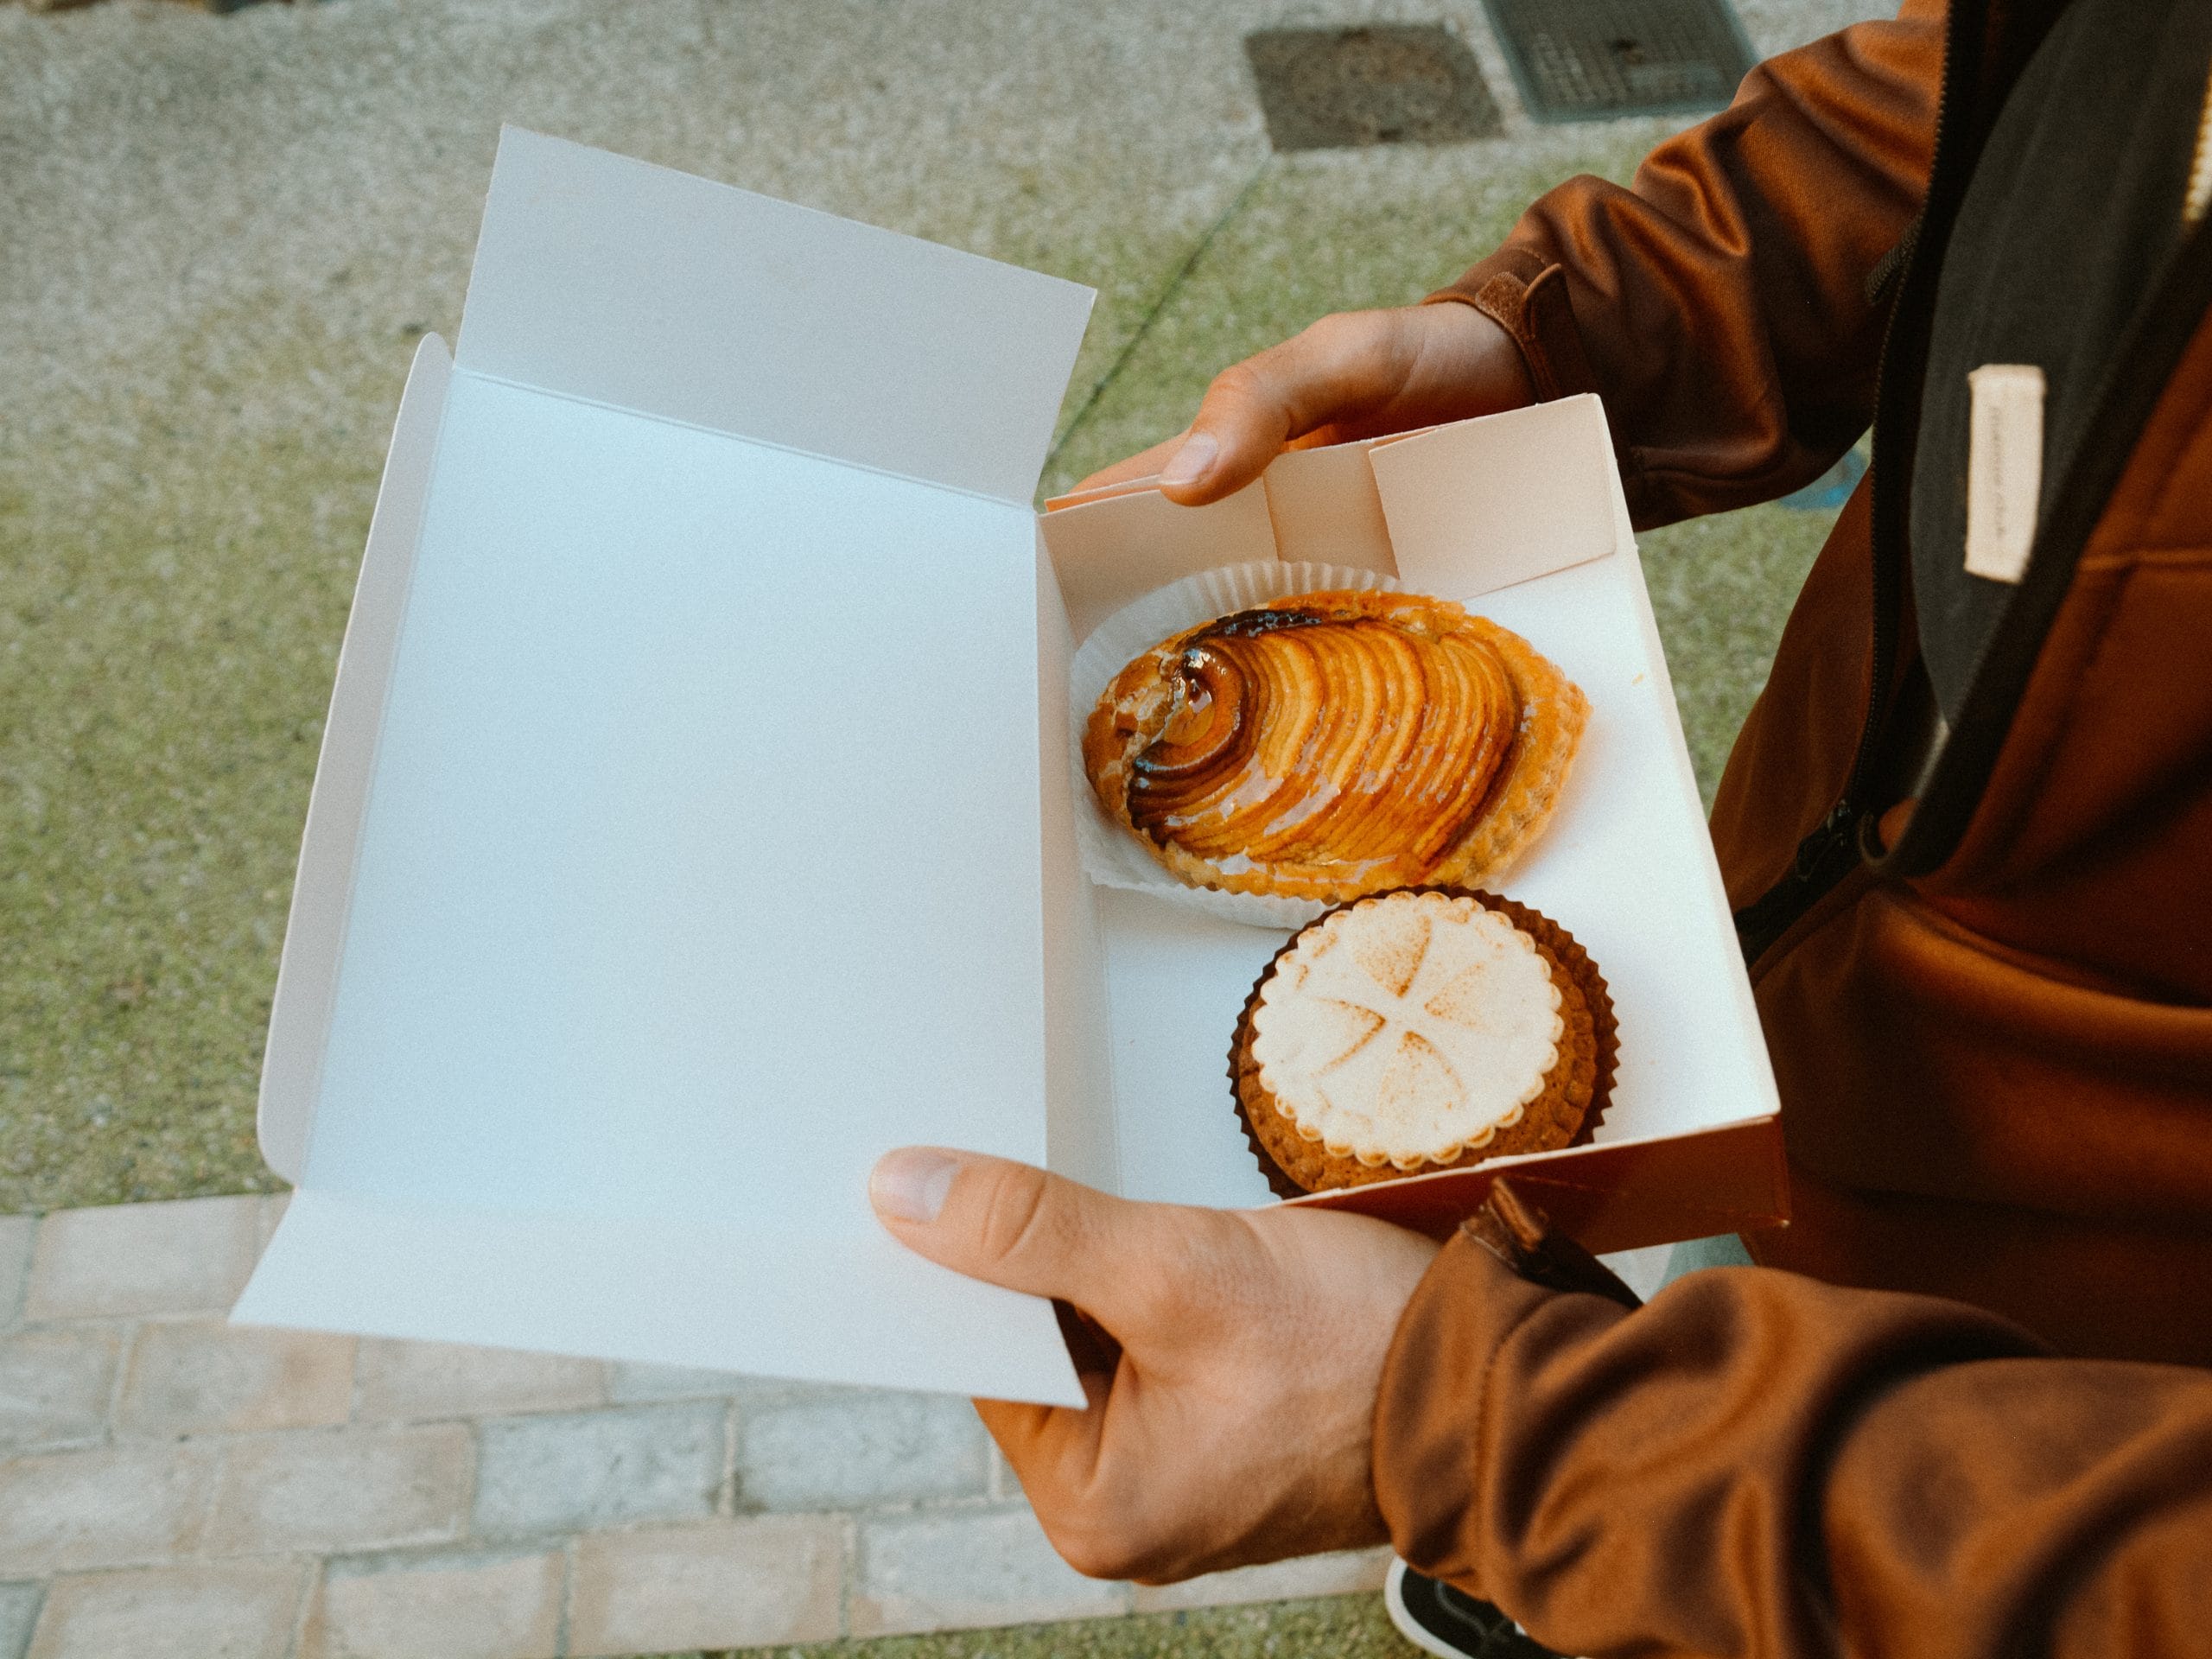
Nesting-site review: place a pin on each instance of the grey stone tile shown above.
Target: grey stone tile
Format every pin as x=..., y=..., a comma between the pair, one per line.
x=723, y=1583
x=192, y=1256
x=19, y=1605
x=961, y=1568
x=272, y=1211
x=858, y=1447
x=343, y=1488
x=241, y=1610
x=124, y=1506
x=199, y=1376
x=1345, y=1572
x=498, y=1605
x=631, y=1385
x=55, y=1386
x=416, y=1382
x=16, y=1233
x=575, y=1472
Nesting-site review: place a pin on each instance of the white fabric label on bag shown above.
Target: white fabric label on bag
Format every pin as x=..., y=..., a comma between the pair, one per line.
x=2004, y=468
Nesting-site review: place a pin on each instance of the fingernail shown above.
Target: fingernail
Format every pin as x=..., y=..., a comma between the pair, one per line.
x=910, y=1184
x=1193, y=461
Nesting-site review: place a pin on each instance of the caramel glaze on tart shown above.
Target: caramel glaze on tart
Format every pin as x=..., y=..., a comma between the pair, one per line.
x=1335, y=743
x=1296, y=1157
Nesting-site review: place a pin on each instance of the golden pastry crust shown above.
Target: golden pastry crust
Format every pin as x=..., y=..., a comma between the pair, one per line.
x=1571, y=1101
x=1337, y=744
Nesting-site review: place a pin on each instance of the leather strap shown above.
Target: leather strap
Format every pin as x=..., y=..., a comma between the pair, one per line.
x=1534, y=310
x=1519, y=1234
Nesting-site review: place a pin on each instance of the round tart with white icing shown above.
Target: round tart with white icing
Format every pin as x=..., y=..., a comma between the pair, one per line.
x=1420, y=1030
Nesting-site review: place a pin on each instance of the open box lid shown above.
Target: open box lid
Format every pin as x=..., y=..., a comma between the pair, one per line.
x=680, y=789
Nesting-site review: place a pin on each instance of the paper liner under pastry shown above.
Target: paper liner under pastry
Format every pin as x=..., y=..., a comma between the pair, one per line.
x=1560, y=945
x=1110, y=856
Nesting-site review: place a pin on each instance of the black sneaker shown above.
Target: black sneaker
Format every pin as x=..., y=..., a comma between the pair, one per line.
x=1452, y=1625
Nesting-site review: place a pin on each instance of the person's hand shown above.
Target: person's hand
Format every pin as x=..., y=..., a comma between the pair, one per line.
x=1231, y=1359
x=1351, y=375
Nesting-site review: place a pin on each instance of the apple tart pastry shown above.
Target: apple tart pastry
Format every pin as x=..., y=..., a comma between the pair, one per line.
x=1333, y=745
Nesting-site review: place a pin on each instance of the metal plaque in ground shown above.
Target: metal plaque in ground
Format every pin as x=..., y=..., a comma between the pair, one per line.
x=1593, y=60
x=1382, y=84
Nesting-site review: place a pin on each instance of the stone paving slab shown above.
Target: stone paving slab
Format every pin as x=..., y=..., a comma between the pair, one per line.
x=470, y=1606
x=743, y=1582
x=423, y=1382
x=193, y=1257
x=56, y=1388
x=16, y=1233
x=200, y=1376
x=957, y=1570
x=110, y=1506
x=171, y=1485
x=19, y=1608
x=246, y=1608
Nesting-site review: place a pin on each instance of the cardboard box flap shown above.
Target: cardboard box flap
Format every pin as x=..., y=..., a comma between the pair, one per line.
x=1461, y=511
x=1110, y=552
x=641, y=919
x=1487, y=504
x=306, y=980
x=696, y=1290
x=1324, y=507
x=620, y=283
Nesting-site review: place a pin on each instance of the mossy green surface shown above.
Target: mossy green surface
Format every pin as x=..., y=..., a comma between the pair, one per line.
x=1328, y=231
x=168, y=633
x=1721, y=589
x=1341, y=1627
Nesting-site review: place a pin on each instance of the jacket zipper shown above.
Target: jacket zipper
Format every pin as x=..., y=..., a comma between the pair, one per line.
x=2172, y=314
x=2134, y=381
x=1828, y=853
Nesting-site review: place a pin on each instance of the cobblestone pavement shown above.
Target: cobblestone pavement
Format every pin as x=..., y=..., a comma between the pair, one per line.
x=172, y=1484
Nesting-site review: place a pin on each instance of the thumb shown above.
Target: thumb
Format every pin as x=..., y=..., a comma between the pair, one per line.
x=1008, y=1224
x=1339, y=367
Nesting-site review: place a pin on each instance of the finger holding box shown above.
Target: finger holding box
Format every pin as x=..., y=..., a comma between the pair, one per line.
x=1352, y=374
x=1234, y=1424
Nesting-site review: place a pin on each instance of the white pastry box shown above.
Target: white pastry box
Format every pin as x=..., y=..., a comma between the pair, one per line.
x=695, y=819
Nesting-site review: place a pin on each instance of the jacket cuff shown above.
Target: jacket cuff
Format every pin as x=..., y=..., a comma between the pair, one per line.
x=1525, y=294
x=1429, y=1410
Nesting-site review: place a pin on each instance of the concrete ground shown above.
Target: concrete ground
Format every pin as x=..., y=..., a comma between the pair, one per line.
x=222, y=236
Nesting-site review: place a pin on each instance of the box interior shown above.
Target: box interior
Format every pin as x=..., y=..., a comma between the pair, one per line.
x=1519, y=517
x=694, y=820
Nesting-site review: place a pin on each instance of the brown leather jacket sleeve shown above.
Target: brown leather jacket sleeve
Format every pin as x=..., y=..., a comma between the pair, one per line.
x=1722, y=300
x=1758, y=1464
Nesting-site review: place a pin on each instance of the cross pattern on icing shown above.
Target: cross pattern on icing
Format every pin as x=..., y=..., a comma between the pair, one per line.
x=1406, y=1036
